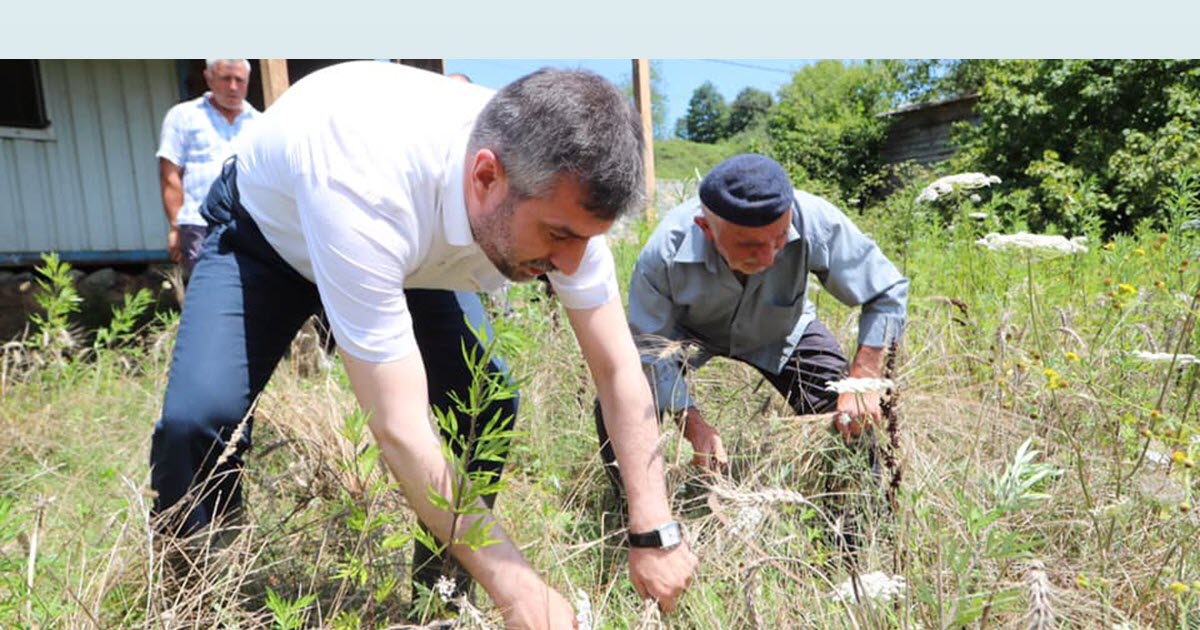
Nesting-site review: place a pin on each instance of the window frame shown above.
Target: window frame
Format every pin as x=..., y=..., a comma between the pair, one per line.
x=45, y=133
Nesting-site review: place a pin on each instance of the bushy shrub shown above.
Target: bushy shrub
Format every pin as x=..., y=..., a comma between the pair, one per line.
x=826, y=129
x=1087, y=136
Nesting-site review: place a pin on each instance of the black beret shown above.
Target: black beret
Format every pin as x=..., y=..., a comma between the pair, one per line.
x=749, y=189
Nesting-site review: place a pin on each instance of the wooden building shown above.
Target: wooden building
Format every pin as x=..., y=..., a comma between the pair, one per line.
x=921, y=132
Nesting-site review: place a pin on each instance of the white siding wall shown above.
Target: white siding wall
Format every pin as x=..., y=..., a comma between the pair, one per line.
x=93, y=186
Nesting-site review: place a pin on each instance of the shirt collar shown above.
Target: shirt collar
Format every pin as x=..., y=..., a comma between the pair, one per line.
x=455, y=221
x=247, y=108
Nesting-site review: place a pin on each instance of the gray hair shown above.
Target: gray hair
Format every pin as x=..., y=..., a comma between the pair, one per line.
x=566, y=122
x=211, y=64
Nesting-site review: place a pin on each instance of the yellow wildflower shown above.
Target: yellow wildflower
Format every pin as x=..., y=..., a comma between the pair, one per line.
x=1139, y=251
x=1179, y=588
x=1071, y=356
x=1108, y=247
x=1178, y=457
x=1127, y=288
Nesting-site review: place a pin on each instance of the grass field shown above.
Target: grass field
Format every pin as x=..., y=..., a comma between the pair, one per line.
x=1046, y=468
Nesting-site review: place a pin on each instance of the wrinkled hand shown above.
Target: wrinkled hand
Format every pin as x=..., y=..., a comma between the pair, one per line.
x=708, y=451
x=662, y=574
x=174, y=246
x=856, y=413
x=542, y=609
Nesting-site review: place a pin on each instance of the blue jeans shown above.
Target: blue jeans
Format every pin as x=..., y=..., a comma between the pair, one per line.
x=244, y=306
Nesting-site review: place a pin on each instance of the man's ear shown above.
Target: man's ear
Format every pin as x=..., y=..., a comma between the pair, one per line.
x=486, y=172
x=702, y=221
x=486, y=179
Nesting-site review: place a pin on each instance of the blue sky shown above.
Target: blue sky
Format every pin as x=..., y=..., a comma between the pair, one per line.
x=680, y=76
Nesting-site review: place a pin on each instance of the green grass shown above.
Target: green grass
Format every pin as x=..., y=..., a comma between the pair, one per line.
x=1000, y=349
x=675, y=158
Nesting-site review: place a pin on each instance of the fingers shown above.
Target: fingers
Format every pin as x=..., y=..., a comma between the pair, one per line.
x=662, y=575
x=851, y=425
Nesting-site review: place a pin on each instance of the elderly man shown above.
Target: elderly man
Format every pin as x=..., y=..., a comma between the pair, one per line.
x=390, y=211
x=197, y=137
x=727, y=274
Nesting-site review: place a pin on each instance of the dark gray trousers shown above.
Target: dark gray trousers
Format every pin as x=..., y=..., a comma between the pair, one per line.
x=816, y=360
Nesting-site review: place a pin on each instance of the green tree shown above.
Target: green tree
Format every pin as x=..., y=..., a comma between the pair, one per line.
x=707, y=118
x=1112, y=132
x=927, y=80
x=826, y=129
x=749, y=109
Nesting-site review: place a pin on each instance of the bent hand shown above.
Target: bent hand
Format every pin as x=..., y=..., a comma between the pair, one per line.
x=708, y=451
x=856, y=413
x=662, y=574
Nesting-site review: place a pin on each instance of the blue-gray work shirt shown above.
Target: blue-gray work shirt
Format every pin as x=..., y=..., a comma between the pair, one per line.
x=682, y=291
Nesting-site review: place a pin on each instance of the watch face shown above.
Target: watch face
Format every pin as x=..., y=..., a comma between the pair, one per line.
x=670, y=535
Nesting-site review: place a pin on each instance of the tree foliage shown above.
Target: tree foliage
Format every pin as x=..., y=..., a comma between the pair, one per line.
x=707, y=118
x=826, y=129
x=929, y=80
x=1100, y=137
x=749, y=109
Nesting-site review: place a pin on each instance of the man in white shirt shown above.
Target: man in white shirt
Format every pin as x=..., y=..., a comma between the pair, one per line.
x=197, y=137
x=388, y=195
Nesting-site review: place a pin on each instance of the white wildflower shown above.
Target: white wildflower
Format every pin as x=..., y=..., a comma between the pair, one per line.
x=975, y=197
x=746, y=521
x=859, y=385
x=1157, y=458
x=876, y=586
x=444, y=587
x=1038, y=243
x=583, y=610
x=979, y=216
x=951, y=183
x=1164, y=357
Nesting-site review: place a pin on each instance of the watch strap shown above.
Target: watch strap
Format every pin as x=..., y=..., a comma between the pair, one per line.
x=665, y=536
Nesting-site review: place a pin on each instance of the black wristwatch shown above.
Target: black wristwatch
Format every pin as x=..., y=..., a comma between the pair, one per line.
x=666, y=536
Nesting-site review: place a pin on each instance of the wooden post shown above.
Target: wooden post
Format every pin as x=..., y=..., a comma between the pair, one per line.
x=274, y=79
x=641, y=96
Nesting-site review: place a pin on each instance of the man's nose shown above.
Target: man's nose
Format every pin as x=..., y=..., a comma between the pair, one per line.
x=568, y=256
x=766, y=256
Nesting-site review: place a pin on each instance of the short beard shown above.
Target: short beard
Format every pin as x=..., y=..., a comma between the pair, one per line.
x=493, y=233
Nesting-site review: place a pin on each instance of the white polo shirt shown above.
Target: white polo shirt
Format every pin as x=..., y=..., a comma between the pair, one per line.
x=355, y=176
